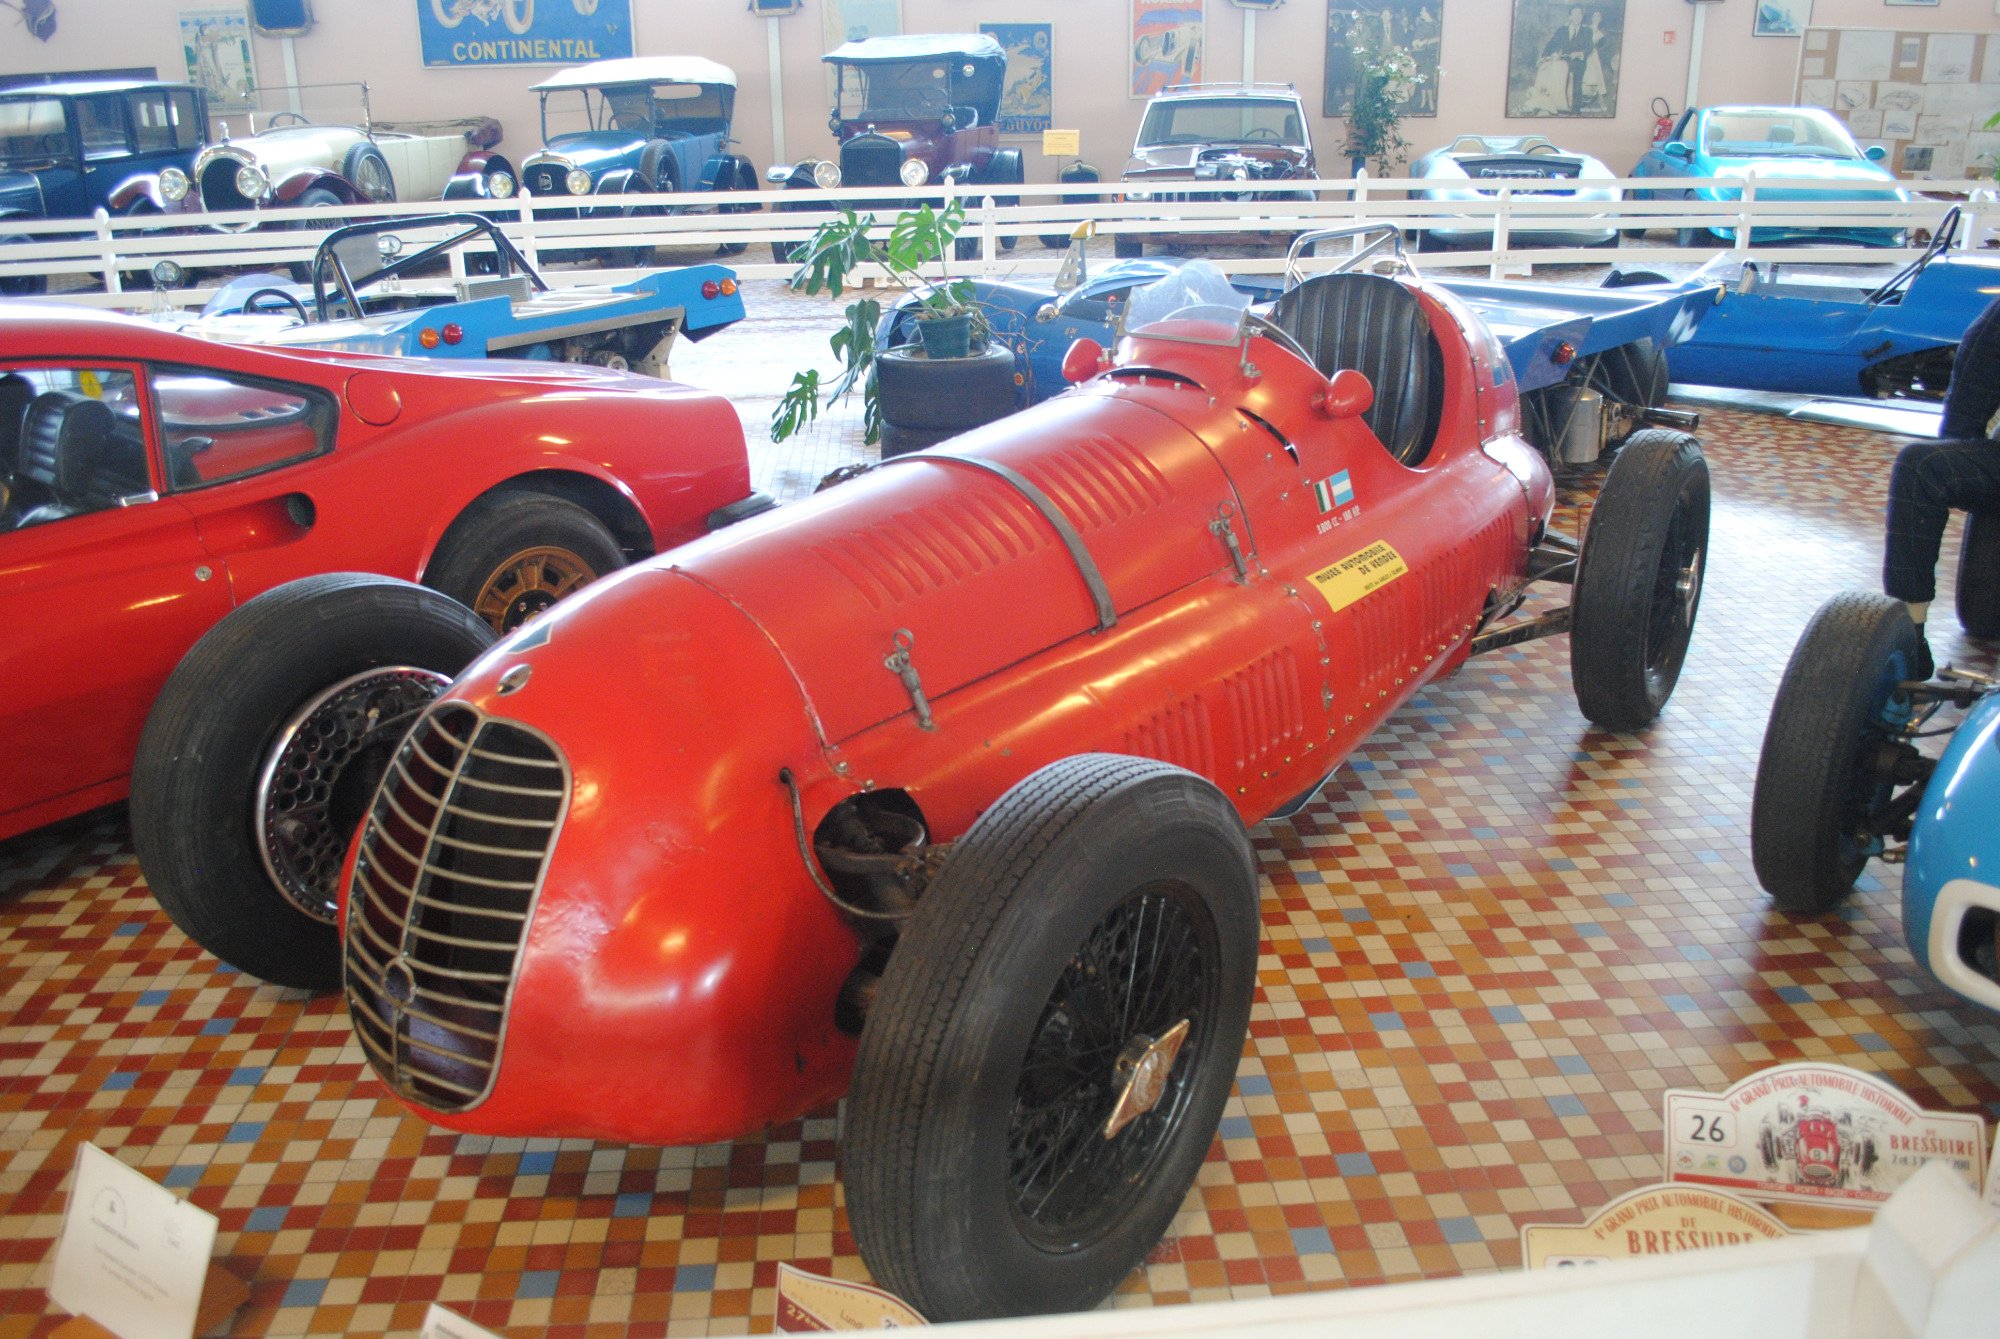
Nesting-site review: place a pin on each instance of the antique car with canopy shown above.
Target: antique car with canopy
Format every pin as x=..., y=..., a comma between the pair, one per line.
x=640, y=125
x=1533, y=170
x=934, y=785
x=1240, y=136
x=911, y=111
x=151, y=482
x=72, y=147
x=297, y=162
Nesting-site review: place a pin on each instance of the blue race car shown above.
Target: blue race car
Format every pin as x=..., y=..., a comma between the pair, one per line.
x=371, y=294
x=1842, y=778
x=1590, y=362
x=1814, y=334
x=1771, y=145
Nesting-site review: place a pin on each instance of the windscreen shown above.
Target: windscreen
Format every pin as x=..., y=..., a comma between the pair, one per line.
x=1776, y=132
x=1196, y=303
x=1223, y=121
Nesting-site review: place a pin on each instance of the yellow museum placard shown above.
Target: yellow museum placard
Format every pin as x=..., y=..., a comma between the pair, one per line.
x=1360, y=573
x=1062, y=143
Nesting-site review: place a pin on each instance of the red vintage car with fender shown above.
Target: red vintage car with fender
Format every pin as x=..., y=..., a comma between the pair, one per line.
x=151, y=482
x=933, y=789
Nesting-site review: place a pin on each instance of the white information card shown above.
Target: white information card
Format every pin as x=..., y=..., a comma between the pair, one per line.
x=133, y=1255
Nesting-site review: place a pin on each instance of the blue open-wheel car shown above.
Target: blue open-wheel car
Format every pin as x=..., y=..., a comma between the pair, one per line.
x=1844, y=777
x=377, y=287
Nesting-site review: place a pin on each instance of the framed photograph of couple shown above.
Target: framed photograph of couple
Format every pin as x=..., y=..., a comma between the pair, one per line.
x=1564, y=57
x=1415, y=26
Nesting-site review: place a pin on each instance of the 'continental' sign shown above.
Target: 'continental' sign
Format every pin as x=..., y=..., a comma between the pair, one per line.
x=524, y=32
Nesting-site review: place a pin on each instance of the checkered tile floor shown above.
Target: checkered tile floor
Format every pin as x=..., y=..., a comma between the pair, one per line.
x=1489, y=947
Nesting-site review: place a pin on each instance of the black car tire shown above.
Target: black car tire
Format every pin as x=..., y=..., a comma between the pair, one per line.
x=514, y=553
x=950, y=393
x=652, y=158
x=1814, y=786
x=1977, y=591
x=365, y=164
x=897, y=440
x=1638, y=579
x=1127, y=248
x=197, y=777
x=1690, y=237
x=1631, y=278
x=1100, y=900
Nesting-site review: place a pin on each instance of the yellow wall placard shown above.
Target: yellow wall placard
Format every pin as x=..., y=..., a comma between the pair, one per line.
x=1062, y=143
x=1359, y=573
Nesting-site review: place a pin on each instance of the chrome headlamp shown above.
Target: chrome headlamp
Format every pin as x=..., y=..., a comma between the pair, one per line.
x=251, y=183
x=914, y=172
x=174, y=184
x=500, y=185
x=826, y=175
x=577, y=182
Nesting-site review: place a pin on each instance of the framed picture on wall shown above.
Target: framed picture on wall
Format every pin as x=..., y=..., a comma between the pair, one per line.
x=216, y=45
x=1027, y=95
x=1167, y=41
x=1416, y=26
x=1563, y=58
x=1781, y=18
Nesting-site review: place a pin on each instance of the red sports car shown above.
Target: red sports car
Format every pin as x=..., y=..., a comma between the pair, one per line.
x=935, y=785
x=151, y=482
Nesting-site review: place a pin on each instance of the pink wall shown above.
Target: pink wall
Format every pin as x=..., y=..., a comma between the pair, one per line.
x=377, y=40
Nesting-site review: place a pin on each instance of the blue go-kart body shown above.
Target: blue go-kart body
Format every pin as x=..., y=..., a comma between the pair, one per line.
x=1951, y=883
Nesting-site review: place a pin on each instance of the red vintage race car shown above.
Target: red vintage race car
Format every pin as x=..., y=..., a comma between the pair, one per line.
x=151, y=482
x=934, y=787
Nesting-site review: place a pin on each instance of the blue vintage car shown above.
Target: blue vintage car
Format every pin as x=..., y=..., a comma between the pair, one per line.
x=1892, y=332
x=1590, y=362
x=1772, y=146
x=637, y=125
x=1843, y=779
x=68, y=149
x=373, y=291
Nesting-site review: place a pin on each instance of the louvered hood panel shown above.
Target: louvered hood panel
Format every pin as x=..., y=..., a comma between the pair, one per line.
x=964, y=562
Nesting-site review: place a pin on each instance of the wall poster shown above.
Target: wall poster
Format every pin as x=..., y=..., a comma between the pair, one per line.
x=1416, y=26
x=521, y=32
x=1781, y=18
x=1563, y=58
x=1922, y=96
x=216, y=46
x=1166, y=44
x=1027, y=97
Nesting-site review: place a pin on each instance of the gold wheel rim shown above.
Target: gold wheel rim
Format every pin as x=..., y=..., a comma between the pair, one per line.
x=529, y=582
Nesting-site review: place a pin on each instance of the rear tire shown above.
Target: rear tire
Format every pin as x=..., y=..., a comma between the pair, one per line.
x=513, y=554
x=1977, y=591
x=1813, y=788
x=1097, y=904
x=368, y=172
x=224, y=775
x=1638, y=579
x=1127, y=248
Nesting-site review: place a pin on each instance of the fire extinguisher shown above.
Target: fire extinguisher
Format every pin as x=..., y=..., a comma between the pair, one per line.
x=1663, y=120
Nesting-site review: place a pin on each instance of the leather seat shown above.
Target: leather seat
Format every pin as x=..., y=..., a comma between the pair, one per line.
x=1376, y=326
x=16, y=391
x=70, y=459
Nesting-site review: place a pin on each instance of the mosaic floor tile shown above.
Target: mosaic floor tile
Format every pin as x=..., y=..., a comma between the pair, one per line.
x=1489, y=946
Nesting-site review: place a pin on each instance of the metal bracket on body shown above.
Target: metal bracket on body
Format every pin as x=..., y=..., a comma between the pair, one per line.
x=897, y=662
x=1086, y=566
x=1224, y=531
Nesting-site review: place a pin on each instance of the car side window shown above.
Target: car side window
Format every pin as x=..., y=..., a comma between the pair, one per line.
x=72, y=442
x=189, y=131
x=1685, y=128
x=102, y=121
x=215, y=426
x=152, y=124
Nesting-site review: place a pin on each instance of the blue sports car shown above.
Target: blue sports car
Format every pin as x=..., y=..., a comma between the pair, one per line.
x=373, y=294
x=1842, y=777
x=1770, y=146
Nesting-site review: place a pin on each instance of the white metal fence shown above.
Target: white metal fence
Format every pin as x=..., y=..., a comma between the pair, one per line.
x=103, y=251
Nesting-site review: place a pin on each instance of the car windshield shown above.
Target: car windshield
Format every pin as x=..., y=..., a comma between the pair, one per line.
x=1196, y=303
x=913, y=90
x=1777, y=132
x=32, y=128
x=1224, y=121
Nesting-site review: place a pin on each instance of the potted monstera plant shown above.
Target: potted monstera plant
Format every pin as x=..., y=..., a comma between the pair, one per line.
x=911, y=393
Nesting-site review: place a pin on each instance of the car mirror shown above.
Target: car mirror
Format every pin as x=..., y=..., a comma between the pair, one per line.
x=1876, y=153
x=1674, y=148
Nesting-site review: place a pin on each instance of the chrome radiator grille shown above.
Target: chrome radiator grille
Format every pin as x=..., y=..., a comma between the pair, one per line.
x=451, y=859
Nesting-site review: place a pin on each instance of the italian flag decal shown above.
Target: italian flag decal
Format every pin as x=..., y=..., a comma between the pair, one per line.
x=1334, y=491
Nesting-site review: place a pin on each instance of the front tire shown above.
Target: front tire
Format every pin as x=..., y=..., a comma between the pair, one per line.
x=1127, y=248
x=260, y=755
x=514, y=554
x=1096, y=907
x=1977, y=590
x=1815, y=788
x=1638, y=579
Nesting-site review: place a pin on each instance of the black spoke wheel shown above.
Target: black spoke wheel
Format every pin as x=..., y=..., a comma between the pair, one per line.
x=1053, y=1040
x=1639, y=578
x=1820, y=778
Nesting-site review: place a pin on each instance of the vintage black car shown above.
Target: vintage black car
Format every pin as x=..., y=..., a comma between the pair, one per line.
x=638, y=125
x=911, y=111
x=68, y=149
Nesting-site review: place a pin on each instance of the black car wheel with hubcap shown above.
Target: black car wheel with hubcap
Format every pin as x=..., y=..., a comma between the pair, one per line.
x=514, y=554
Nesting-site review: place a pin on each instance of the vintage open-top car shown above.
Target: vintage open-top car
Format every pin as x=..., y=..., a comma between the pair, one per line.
x=1252, y=134
x=639, y=124
x=375, y=289
x=69, y=148
x=1532, y=168
x=151, y=482
x=934, y=785
x=294, y=162
x=911, y=111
